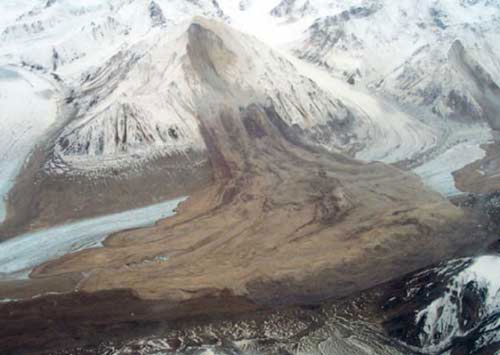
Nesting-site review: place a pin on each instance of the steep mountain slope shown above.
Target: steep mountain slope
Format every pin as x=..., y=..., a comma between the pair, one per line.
x=137, y=106
x=402, y=50
x=66, y=37
x=464, y=91
x=453, y=306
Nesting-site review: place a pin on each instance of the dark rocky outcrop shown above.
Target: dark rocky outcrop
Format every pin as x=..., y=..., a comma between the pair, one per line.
x=156, y=14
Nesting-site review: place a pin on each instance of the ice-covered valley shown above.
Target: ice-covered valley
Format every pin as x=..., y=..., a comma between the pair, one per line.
x=460, y=147
x=28, y=107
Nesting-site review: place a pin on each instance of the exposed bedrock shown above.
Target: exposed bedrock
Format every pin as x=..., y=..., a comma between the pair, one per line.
x=481, y=177
x=481, y=100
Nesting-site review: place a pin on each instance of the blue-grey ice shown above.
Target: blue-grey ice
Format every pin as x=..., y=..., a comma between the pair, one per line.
x=20, y=254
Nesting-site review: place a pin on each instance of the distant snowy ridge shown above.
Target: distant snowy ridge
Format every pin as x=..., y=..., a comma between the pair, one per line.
x=430, y=56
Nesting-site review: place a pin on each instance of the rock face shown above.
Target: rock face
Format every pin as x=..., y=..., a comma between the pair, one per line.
x=156, y=14
x=454, y=305
x=291, y=8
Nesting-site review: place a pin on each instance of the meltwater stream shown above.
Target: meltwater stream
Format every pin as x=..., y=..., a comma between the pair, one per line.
x=20, y=254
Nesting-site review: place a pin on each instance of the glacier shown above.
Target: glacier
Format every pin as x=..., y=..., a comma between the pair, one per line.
x=21, y=253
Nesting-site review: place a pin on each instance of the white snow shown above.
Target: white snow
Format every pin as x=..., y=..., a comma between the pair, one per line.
x=386, y=133
x=20, y=254
x=271, y=30
x=486, y=269
x=27, y=109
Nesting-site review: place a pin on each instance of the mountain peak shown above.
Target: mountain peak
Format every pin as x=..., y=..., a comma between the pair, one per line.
x=208, y=54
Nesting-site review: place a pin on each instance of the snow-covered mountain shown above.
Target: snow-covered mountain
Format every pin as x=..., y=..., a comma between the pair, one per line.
x=455, y=305
x=430, y=55
x=471, y=303
x=67, y=37
x=440, y=56
x=372, y=79
x=145, y=101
